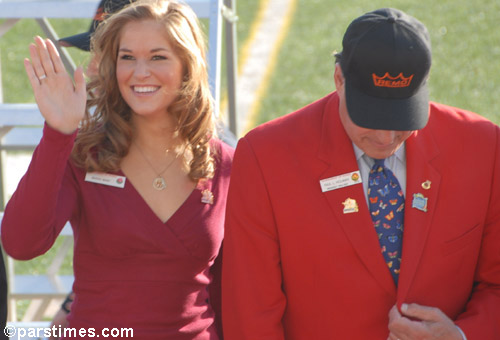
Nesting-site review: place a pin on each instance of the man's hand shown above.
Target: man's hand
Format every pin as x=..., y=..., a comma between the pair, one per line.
x=416, y=322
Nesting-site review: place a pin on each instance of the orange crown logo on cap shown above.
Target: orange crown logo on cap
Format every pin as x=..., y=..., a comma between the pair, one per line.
x=100, y=14
x=392, y=82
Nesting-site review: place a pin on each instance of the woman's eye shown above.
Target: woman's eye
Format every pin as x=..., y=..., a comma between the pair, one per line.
x=126, y=57
x=159, y=57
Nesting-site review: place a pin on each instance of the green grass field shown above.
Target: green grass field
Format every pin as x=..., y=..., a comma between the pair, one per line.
x=465, y=42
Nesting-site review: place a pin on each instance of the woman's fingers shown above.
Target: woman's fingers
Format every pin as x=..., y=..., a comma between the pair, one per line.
x=80, y=85
x=60, y=100
x=54, y=56
x=30, y=71
x=45, y=59
x=36, y=62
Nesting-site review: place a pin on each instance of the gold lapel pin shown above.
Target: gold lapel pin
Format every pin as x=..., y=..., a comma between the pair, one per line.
x=207, y=197
x=350, y=206
x=426, y=185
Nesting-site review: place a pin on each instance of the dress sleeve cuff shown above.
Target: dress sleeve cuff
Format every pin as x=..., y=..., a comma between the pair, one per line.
x=51, y=134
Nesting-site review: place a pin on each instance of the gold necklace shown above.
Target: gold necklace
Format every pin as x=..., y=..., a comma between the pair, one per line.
x=159, y=182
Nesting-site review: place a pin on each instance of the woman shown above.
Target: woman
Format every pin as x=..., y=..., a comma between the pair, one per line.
x=143, y=180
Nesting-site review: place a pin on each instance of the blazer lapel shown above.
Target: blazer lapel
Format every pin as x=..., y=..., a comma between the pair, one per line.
x=337, y=153
x=422, y=189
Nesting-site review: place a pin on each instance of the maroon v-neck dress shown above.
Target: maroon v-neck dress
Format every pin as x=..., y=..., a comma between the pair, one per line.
x=131, y=269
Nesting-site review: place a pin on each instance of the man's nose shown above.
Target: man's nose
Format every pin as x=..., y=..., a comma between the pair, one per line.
x=385, y=137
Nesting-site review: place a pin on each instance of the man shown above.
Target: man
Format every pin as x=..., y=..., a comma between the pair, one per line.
x=371, y=213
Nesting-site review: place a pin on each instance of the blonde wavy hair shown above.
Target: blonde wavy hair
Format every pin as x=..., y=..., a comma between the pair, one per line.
x=106, y=134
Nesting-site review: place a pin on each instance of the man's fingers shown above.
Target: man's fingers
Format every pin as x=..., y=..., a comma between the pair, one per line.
x=394, y=313
x=420, y=312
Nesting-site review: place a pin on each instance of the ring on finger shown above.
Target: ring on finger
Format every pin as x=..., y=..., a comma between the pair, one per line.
x=42, y=77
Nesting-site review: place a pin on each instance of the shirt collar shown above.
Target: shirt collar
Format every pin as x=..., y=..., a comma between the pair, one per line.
x=400, y=154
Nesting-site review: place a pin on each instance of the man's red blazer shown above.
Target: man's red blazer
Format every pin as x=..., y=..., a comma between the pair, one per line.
x=298, y=265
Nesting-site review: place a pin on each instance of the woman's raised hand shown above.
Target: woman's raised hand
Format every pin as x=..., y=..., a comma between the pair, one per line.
x=61, y=102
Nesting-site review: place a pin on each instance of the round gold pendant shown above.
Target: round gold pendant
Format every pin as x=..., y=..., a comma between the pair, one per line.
x=159, y=183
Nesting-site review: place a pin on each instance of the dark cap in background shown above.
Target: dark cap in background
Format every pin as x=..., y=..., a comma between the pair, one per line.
x=386, y=59
x=105, y=8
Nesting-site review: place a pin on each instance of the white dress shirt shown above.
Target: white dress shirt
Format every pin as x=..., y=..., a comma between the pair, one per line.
x=396, y=163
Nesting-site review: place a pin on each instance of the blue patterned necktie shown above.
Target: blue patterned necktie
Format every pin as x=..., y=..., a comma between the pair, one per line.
x=386, y=202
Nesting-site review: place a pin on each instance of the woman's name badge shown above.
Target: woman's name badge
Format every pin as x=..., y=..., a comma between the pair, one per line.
x=106, y=179
x=341, y=181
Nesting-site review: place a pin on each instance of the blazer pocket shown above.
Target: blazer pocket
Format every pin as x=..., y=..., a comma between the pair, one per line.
x=471, y=235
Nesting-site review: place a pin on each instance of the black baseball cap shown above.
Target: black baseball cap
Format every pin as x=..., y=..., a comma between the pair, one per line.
x=386, y=59
x=105, y=8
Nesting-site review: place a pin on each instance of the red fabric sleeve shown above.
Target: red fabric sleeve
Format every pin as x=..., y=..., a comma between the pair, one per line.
x=481, y=319
x=43, y=201
x=253, y=302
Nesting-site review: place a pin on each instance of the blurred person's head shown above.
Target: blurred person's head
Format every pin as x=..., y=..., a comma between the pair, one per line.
x=104, y=10
x=82, y=40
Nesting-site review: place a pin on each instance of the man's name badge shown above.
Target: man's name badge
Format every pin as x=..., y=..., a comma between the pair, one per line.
x=106, y=179
x=341, y=181
x=419, y=202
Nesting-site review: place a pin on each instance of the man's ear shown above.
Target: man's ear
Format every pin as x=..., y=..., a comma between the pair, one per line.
x=338, y=77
